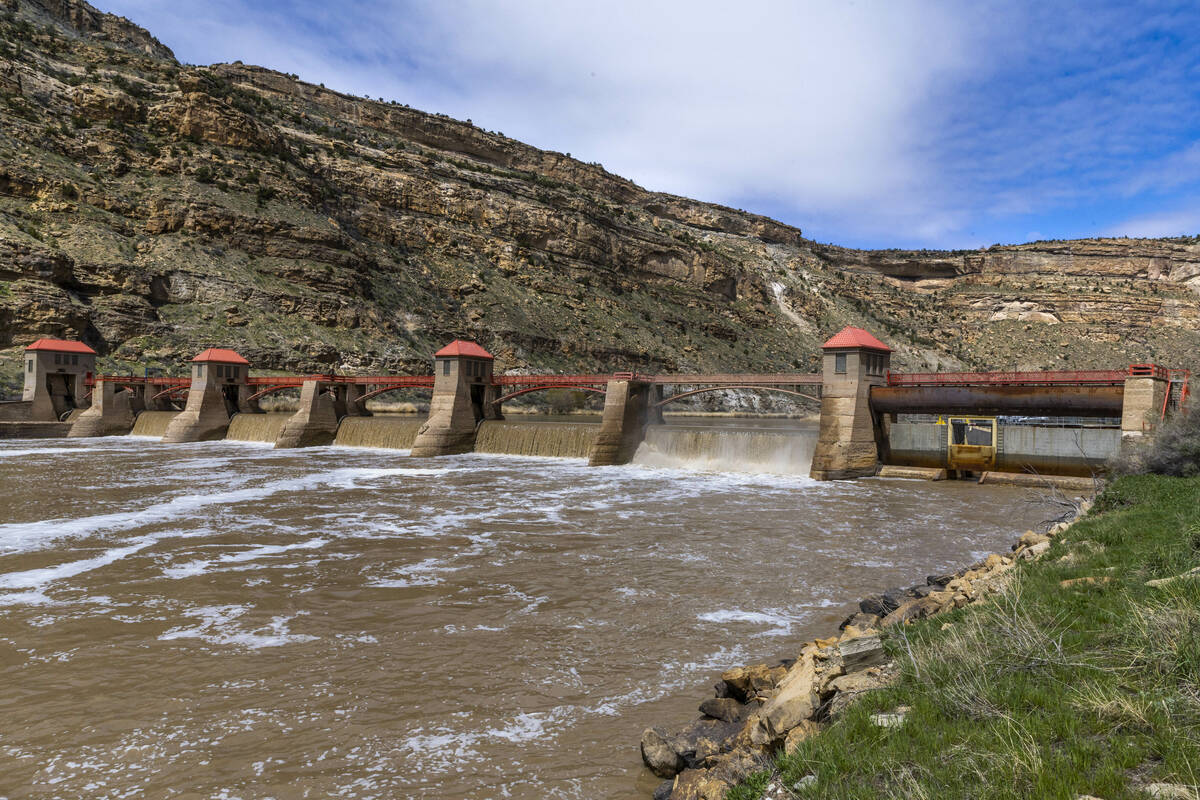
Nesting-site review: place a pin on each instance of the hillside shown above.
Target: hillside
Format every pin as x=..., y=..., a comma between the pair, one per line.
x=153, y=209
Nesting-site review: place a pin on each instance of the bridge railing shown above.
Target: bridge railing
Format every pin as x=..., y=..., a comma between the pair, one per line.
x=134, y=380
x=1149, y=371
x=555, y=380
x=1088, y=377
x=739, y=379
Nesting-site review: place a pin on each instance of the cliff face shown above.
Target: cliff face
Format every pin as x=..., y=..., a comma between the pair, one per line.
x=153, y=209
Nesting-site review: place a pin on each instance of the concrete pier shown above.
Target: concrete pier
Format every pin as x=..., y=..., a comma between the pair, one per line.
x=218, y=377
x=111, y=413
x=623, y=425
x=1142, y=401
x=462, y=377
x=315, y=423
x=848, y=444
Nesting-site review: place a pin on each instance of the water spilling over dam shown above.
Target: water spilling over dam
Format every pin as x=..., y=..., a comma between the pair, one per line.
x=152, y=423
x=257, y=427
x=390, y=432
x=534, y=437
x=783, y=447
x=359, y=623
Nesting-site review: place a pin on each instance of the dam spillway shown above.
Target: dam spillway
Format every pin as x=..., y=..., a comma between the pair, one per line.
x=557, y=439
x=257, y=427
x=152, y=423
x=785, y=449
x=395, y=432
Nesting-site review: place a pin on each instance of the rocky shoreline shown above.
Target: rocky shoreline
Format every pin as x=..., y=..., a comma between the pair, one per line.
x=763, y=709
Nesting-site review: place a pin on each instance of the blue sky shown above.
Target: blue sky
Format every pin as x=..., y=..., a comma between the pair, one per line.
x=871, y=124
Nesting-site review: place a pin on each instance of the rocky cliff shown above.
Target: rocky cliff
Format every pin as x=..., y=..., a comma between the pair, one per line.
x=153, y=209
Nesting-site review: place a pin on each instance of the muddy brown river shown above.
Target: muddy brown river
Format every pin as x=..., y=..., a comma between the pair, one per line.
x=224, y=620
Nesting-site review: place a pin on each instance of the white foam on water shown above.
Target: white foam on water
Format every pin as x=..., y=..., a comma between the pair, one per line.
x=203, y=566
x=218, y=625
x=16, y=537
x=423, y=573
x=779, y=622
x=49, y=451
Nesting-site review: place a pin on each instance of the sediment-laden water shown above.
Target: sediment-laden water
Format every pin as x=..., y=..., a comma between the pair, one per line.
x=224, y=619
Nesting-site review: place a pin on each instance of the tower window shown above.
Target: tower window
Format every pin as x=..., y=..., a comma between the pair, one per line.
x=839, y=363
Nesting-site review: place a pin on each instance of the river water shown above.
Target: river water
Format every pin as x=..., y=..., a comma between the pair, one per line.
x=225, y=620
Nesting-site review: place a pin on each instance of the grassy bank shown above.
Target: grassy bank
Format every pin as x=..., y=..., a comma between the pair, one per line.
x=1050, y=690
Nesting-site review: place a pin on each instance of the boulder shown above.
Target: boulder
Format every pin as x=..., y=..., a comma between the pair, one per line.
x=1029, y=539
x=860, y=653
x=913, y=609
x=882, y=604
x=860, y=621
x=798, y=734
x=725, y=708
x=746, y=683
x=849, y=687
x=1170, y=791
x=891, y=719
x=796, y=699
x=699, y=784
x=659, y=753
x=1030, y=553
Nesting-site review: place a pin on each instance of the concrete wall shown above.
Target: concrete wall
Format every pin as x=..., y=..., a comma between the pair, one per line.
x=15, y=410
x=917, y=444
x=34, y=430
x=1054, y=451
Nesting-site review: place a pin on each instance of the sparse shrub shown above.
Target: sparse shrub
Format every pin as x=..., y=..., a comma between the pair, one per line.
x=1175, y=449
x=204, y=175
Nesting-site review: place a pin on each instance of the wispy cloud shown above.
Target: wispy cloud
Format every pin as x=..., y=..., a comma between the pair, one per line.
x=912, y=122
x=1176, y=222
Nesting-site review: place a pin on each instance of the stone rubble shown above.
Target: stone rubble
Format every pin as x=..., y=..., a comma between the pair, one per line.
x=763, y=709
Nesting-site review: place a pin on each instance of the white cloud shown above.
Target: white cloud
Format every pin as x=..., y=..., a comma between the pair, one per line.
x=901, y=122
x=1177, y=222
x=826, y=109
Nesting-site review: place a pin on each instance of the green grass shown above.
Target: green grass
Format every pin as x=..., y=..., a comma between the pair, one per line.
x=1046, y=691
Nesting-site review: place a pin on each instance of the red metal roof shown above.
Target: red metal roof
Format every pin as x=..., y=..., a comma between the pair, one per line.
x=61, y=346
x=222, y=355
x=850, y=336
x=460, y=348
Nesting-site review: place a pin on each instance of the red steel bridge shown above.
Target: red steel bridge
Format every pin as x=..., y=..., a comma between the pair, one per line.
x=512, y=386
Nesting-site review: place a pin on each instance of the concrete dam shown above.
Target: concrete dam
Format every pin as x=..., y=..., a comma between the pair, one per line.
x=985, y=425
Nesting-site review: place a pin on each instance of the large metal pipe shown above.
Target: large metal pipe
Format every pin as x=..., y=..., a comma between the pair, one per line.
x=1049, y=401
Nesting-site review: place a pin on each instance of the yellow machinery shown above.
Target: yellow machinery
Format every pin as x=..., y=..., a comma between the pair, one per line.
x=971, y=443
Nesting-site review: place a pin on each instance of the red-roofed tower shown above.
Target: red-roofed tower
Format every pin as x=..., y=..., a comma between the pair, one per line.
x=848, y=445
x=217, y=393
x=462, y=397
x=56, y=372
